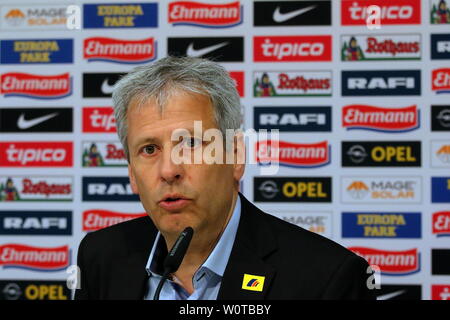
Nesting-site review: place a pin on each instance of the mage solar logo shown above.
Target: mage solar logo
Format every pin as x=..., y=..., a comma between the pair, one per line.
x=391, y=263
x=18, y=84
x=119, y=50
x=33, y=17
x=34, y=258
x=34, y=51
x=206, y=15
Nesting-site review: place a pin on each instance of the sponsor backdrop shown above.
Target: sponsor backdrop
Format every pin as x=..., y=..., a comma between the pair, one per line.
x=363, y=113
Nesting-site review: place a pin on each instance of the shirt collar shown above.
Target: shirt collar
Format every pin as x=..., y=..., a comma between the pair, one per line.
x=218, y=258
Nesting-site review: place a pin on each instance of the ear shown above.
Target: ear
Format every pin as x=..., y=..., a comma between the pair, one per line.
x=133, y=183
x=239, y=156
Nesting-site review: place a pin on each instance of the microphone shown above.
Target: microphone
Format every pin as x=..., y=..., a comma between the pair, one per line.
x=175, y=257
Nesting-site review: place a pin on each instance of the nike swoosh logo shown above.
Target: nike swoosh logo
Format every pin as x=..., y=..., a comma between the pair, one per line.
x=390, y=295
x=201, y=52
x=23, y=124
x=282, y=17
x=106, y=87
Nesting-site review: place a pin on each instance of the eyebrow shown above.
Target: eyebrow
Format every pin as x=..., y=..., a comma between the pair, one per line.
x=150, y=139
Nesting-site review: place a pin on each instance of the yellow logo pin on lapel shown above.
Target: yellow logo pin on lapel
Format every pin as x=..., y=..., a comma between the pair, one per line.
x=252, y=282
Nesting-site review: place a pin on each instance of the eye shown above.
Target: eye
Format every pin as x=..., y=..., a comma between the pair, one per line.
x=150, y=149
x=191, y=142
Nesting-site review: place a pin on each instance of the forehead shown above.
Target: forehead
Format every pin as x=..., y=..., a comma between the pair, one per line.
x=180, y=110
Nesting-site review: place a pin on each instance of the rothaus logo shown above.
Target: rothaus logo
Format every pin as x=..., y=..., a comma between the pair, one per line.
x=36, y=188
x=291, y=48
x=99, y=85
x=36, y=222
x=120, y=15
x=381, y=225
x=392, y=120
x=380, y=47
x=440, y=46
x=292, y=84
x=220, y=49
x=381, y=153
x=108, y=189
x=103, y=154
x=36, y=51
x=380, y=83
x=440, y=80
x=381, y=189
x=292, y=189
x=207, y=15
x=291, y=13
x=99, y=120
x=392, y=12
x=17, y=120
x=293, y=119
x=440, y=118
x=119, y=50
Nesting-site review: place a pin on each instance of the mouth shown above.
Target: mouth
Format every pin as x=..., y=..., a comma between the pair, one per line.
x=174, y=202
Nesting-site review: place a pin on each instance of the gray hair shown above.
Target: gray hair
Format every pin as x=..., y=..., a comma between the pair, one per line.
x=158, y=80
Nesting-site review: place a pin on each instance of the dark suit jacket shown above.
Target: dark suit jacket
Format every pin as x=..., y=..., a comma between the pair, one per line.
x=296, y=263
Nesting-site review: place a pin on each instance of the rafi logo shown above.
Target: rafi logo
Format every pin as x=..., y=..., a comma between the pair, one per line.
x=297, y=155
x=291, y=48
x=108, y=189
x=34, y=258
x=381, y=189
x=441, y=80
x=441, y=224
x=293, y=119
x=380, y=47
x=392, y=120
x=17, y=84
x=36, y=222
x=380, y=83
x=34, y=17
x=292, y=84
x=207, y=15
x=252, y=282
x=99, y=120
x=97, y=219
x=391, y=263
x=393, y=12
x=440, y=153
x=440, y=189
x=36, y=51
x=35, y=188
x=292, y=189
x=291, y=13
x=440, y=118
x=103, y=154
x=120, y=15
x=119, y=51
x=381, y=225
x=440, y=46
x=381, y=153
x=34, y=290
x=36, y=154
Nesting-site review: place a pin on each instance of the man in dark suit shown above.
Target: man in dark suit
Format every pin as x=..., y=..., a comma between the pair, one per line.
x=237, y=251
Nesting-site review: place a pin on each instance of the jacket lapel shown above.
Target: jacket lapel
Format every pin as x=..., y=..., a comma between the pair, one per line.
x=254, y=242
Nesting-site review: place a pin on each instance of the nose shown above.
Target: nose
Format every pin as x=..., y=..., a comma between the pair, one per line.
x=170, y=172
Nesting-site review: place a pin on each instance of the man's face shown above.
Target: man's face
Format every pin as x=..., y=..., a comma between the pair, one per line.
x=209, y=188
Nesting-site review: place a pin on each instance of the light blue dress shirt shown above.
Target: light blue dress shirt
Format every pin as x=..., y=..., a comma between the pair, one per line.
x=207, y=278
